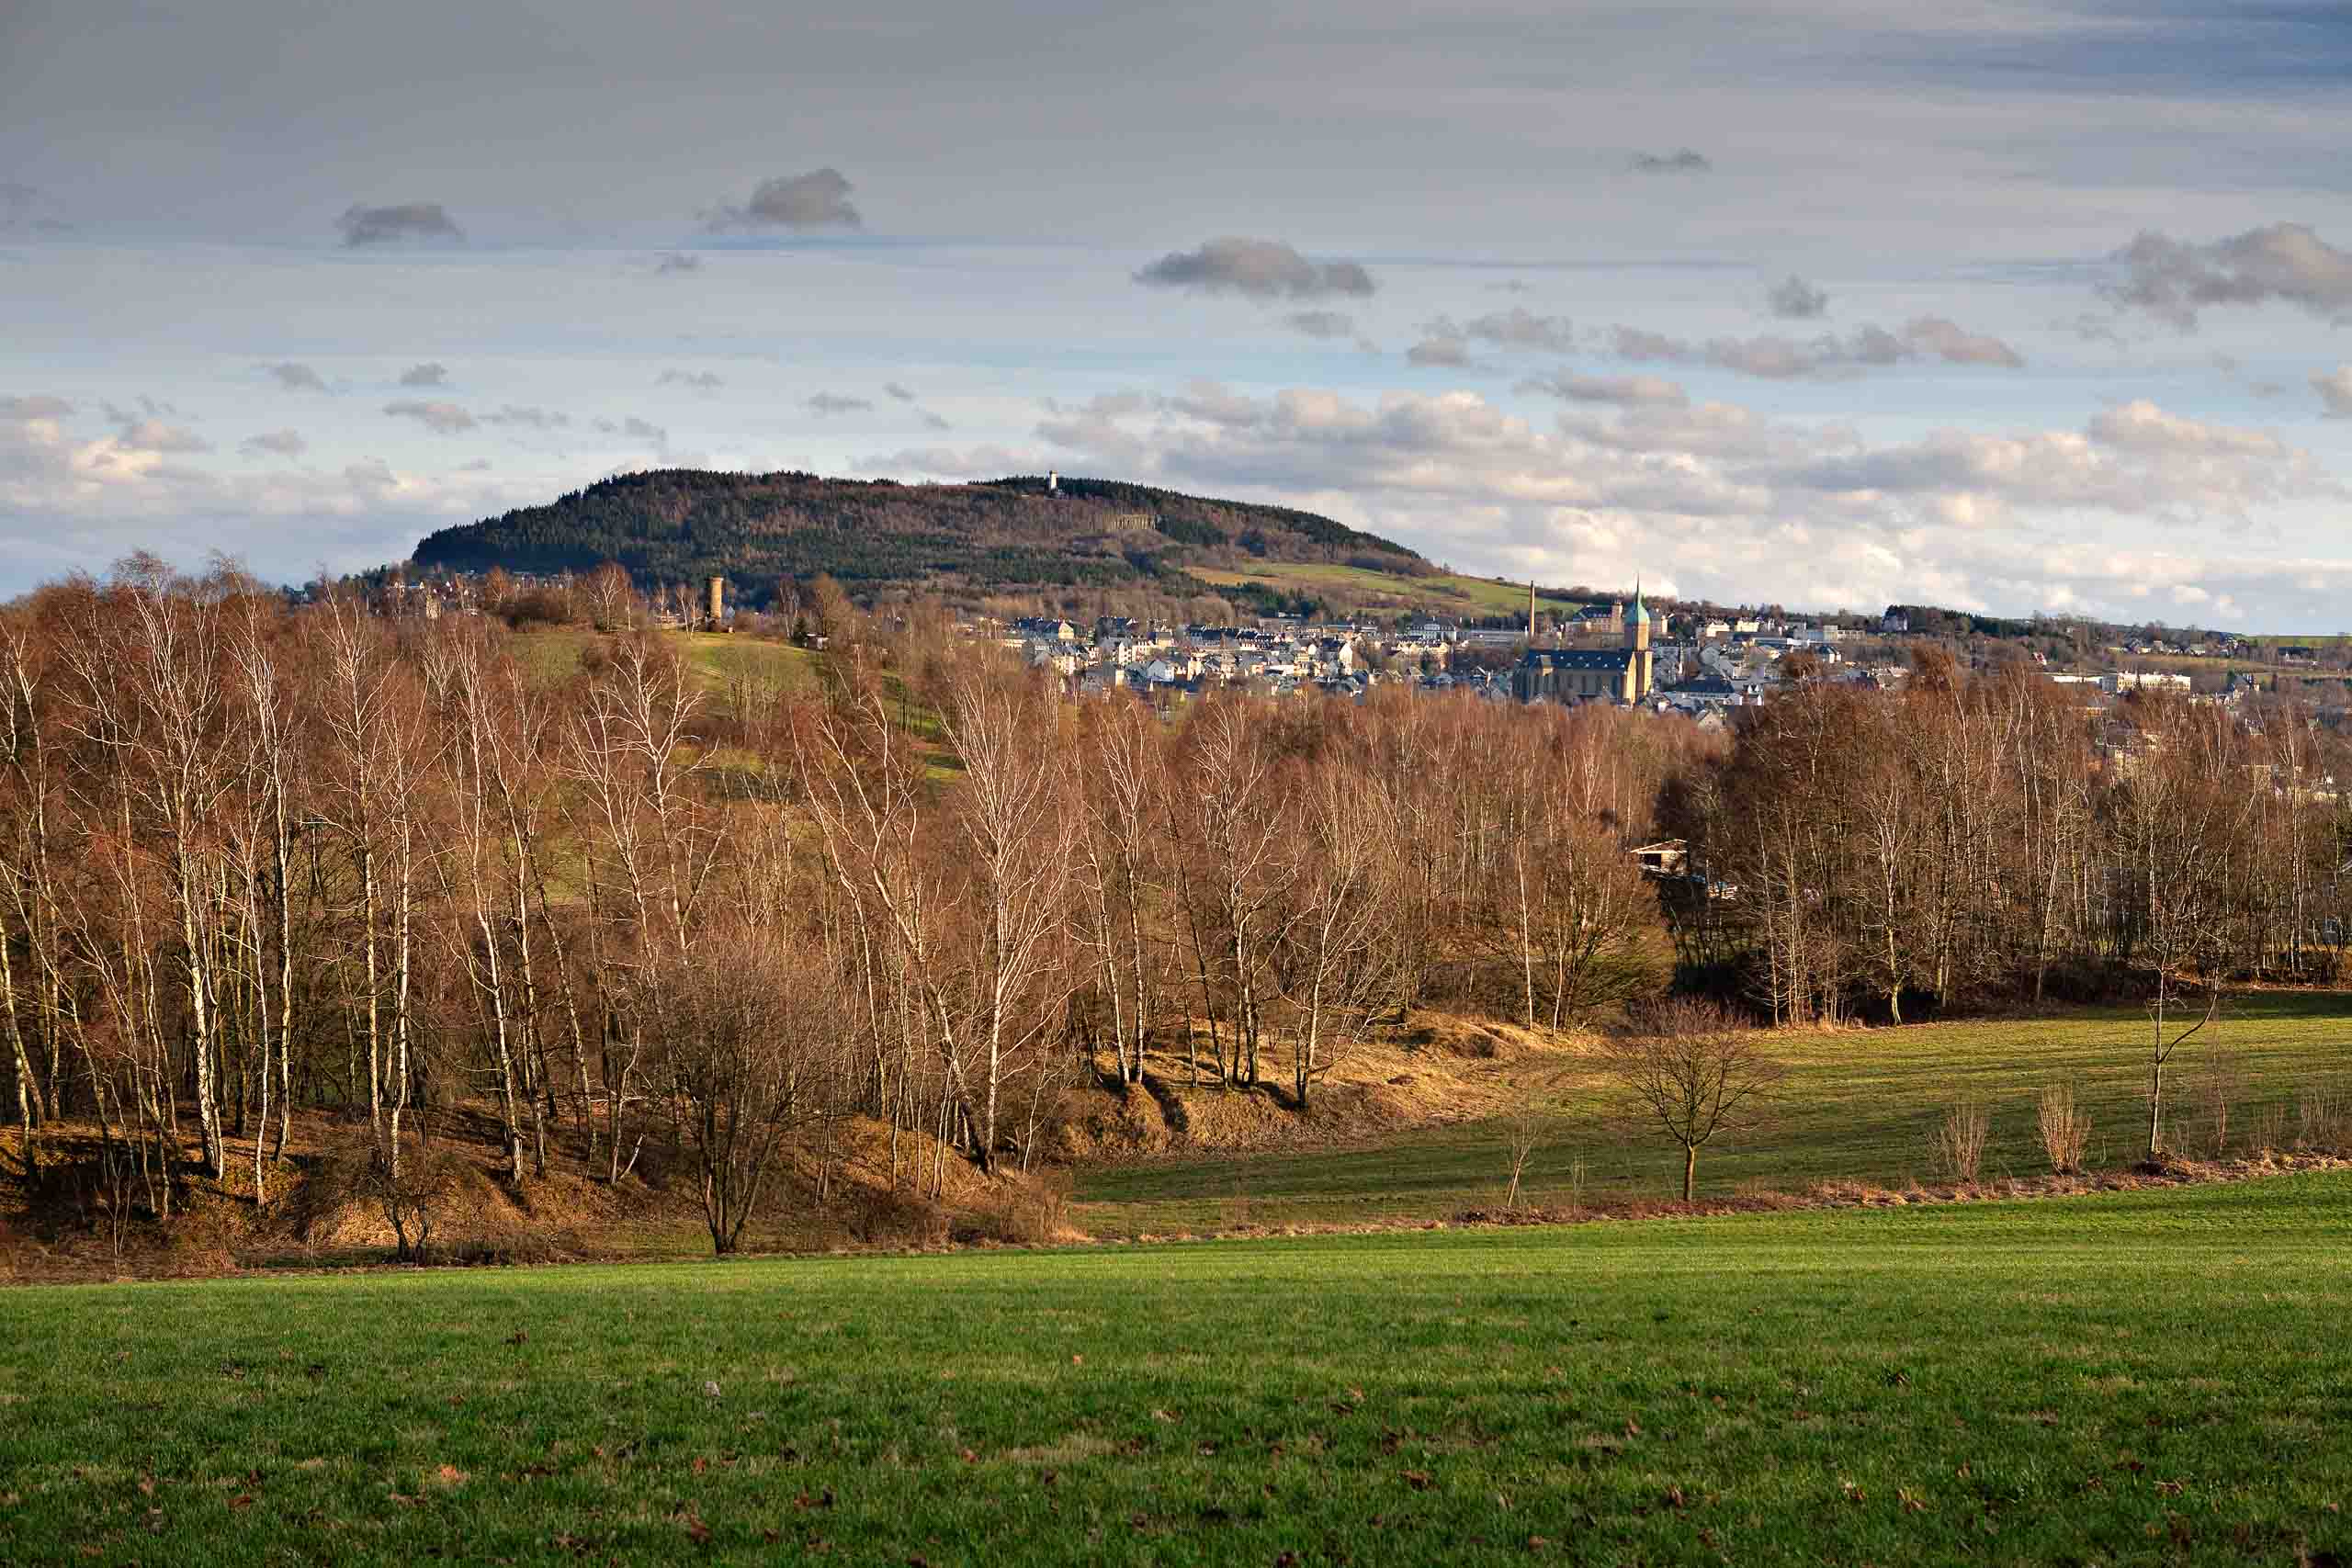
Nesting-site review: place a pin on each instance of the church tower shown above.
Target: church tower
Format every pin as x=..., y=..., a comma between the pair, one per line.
x=1637, y=648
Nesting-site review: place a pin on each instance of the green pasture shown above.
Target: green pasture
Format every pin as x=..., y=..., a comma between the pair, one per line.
x=552, y=653
x=1859, y=1105
x=2143, y=1378
x=1443, y=591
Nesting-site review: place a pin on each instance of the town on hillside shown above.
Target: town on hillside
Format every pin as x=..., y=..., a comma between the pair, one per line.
x=1696, y=661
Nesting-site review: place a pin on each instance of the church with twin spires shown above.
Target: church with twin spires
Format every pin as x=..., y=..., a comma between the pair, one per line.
x=1589, y=674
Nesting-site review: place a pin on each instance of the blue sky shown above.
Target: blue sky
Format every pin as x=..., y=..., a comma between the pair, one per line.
x=2014, y=307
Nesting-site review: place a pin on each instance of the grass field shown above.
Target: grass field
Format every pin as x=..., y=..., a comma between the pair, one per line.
x=551, y=653
x=1443, y=592
x=2136, y=1377
x=1859, y=1105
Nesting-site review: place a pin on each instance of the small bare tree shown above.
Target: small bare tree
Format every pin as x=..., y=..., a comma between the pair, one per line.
x=743, y=1025
x=1690, y=1072
x=1522, y=1135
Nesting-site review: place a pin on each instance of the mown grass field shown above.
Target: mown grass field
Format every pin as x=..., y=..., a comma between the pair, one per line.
x=1440, y=593
x=552, y=653
x=1858, y=1106
x=2124, y=1379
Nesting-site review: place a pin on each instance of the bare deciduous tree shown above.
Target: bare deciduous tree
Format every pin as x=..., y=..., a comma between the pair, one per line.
x=1692, y=1073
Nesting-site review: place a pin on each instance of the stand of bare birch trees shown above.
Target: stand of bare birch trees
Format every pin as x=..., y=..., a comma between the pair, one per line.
x=260, y=862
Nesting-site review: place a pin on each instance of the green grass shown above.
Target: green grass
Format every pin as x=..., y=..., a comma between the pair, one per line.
x=2140, y=1378
x=1859, y=1105
x=1443, y=591
x=552, y=653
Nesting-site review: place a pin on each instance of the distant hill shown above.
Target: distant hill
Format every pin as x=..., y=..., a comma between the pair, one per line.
x=683, y=524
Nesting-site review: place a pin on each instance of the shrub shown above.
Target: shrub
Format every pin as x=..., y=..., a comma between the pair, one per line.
x=2065, y=1130
x=887, y=1217
x=1960, y=1141
x=2270, y=1127
x=2322, y=1111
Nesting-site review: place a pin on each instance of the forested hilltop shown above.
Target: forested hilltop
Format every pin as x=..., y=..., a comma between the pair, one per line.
x=683, y=524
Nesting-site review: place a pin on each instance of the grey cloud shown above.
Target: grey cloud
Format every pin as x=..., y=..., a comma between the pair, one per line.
x=1794, y=299
x=1776, y=358
x=431, y=372
x=1510, y=285
x=1957, y=346
x=932, y=422
x=1626, y=392
x=903, y=394
x=823, y=403
x=2334, y=389
x=1321, y=323
x=525, y=416
x=1515, y=328
x=1872, y=346
x=634, y=429
x=35, y=405
x=2173, y=280
x=1262, y=269
x=700, y=380
x=2091, y=327
x=817, y=199
x=274, y=443
x=1441, y=353
x=296, y=376
x=1681, y=160
x=444, y=418
x=1633, y=343
x=669, y=261
x=390, y=225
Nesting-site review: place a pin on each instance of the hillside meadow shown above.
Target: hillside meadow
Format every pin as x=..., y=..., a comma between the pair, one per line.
x=2130, y=1378
x=1859, y=1110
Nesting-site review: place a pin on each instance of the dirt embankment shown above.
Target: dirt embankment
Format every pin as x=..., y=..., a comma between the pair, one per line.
x=849, y=1184
x=1441, y=1069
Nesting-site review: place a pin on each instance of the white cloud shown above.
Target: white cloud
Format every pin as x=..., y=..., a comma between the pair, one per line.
x=1740, y=505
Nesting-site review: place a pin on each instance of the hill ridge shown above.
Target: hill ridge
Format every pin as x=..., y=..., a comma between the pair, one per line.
x=1018, y=533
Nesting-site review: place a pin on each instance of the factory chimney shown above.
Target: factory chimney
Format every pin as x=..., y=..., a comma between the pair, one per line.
x=718, y=604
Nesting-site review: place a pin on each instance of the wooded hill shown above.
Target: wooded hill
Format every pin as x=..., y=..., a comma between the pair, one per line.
x=683, y=525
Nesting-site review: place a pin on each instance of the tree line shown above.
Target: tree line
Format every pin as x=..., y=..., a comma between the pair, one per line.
x=257, y=860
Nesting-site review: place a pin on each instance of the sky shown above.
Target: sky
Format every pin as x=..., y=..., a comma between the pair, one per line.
x=2012, y=308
